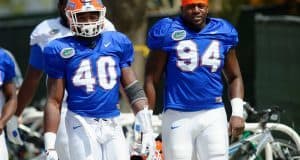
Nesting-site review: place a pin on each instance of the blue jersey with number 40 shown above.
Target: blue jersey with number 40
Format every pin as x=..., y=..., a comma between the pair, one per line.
x=92, y=76
x=195, y=61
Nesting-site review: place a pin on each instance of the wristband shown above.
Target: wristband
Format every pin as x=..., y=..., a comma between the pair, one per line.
x=237, y=107
x=49, y=138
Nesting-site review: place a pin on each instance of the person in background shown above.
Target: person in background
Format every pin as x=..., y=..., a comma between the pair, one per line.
x=8, y=97
x=43, y=33
x=193, y=51
x=19, y=77
x=91, y=66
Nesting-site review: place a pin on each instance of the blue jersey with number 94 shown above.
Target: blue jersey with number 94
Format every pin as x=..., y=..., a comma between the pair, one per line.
x=92, y=76
x=195, y=61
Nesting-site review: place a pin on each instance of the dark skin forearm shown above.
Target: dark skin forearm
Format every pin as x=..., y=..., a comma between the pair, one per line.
x=236, y=90
x=10, y=106
x=154, y=68
x=28, y=88
x=128, y=76
x=55, y=94
x=233, y=75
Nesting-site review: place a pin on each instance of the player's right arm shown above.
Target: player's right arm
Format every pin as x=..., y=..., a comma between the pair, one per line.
x=7, y=74
x=55, y=93
x=28, y=88
x=154, y=68
x=10, y=105
x=34, y=70
x=30, y=83
x=157, y=59
x=54, y=67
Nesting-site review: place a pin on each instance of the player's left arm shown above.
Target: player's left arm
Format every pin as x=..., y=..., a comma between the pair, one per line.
x=10, y=106
x=133, y=89
x=236, y=92
x=143, y=124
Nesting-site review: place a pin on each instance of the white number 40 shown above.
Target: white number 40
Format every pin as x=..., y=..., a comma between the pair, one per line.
x=106, y=71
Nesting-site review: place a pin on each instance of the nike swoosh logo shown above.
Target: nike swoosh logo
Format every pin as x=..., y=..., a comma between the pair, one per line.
x=174, y=127
x=107, y=44
x=75, y=127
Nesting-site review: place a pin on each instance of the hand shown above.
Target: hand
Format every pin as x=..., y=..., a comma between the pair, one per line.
x=148, y=144
x=236, y=126
x=143, y=133
x=144, y=149
x=51, y=154
x=13, y=132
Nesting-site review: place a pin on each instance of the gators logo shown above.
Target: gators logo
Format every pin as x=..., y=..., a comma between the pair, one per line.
x=178, y=35
x=67, y=53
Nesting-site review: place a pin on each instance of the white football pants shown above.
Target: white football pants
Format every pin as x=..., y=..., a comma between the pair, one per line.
x=95, y=139
x=61, y=143
x=3, y=148
x=195, y=135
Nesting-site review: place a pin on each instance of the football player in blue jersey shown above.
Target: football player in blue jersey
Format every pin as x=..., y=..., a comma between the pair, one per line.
x=43, y=33
x=193, y=51
x=8, y=97
x=91, y=66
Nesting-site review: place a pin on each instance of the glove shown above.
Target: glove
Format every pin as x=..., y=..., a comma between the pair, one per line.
x=13, y=132
x=51, y=154
x=50, y=138
x=143, y=133
x=148, y=144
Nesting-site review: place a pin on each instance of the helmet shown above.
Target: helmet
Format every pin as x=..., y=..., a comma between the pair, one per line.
x=85, y=28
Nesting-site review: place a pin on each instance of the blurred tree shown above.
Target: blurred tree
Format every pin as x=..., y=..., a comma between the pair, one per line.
x=21, y=7
x=265, y=2
x=130, y=18
x=231, y=9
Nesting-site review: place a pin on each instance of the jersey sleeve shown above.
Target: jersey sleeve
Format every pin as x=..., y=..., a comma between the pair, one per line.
x=9, y=69
x=18, y=78
x=37, y=38
x=128, y=52
x=157, y=33
x=231, y=35
x=36, y=59
x=54, y=64
x=234, y=39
